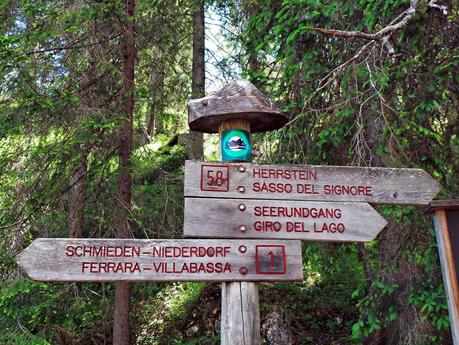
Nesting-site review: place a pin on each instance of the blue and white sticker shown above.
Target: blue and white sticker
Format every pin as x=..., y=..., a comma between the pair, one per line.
x=235, y=145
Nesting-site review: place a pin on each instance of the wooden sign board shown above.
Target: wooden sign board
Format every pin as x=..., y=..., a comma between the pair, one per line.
x=281, y=219
x=63, y=259
x=309, y=182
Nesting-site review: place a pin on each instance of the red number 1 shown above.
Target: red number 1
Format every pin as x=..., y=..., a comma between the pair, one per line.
x=271, y=254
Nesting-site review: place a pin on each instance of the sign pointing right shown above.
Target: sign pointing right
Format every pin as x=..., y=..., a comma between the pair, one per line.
x=309, y=182
x=281, y=219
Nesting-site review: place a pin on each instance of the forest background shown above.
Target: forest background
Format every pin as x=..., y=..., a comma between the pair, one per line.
x=93, y=141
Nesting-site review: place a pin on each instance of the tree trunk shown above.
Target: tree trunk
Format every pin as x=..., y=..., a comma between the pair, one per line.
x=122, y=290
x=195, y=142
x=157, y=84
x=77, y=198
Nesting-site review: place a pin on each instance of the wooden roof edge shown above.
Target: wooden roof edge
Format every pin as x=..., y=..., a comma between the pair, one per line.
x=435, y=205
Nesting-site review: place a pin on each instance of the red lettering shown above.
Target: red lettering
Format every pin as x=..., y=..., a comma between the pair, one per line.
x=194, y=251
x=266, y=226
x=176, y=252
x=330, y=228
x=347, y=190
x=286, y=174
x=109, y=251
x=70, y=251
x=158, y=266
x=79, y=251
x=306, y=189
x=156, y=252
x=95, y=269
x=135, y=251
x=98, y=251
x=296, y=227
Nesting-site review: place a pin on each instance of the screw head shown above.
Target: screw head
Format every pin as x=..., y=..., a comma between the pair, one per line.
x=243, y=228
x=242, y=249
x=241, y=207
x=241, y=189
x=241, y=168
x=243, y=270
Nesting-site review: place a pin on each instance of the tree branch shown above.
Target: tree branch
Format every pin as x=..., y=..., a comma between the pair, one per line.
x=70, y=46
x=398, y=23
x=442, y=8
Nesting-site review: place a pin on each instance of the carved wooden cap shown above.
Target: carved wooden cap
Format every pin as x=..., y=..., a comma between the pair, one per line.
x=239, y=99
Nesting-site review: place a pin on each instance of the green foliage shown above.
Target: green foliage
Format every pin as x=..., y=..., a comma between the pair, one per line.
x=21, y=337
x=166, y=311
x=375, y=110
x=28, y=309
x=61, y=103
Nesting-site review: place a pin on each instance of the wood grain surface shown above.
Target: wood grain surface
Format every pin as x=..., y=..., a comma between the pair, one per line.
x=314, y=183
x=240, y=323
x=281, y=219
x=62, y=259
x=239, y=99
x=448, y=268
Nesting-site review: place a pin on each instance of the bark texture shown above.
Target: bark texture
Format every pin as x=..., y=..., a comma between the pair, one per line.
x=156, y=107
x=77, y=198
x=122, y=290
x=195, y=141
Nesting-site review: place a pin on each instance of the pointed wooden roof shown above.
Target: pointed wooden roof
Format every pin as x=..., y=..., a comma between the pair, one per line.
x=239, y=99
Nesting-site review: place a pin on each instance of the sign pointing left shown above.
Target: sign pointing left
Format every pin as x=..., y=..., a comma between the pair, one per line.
x=68, y=259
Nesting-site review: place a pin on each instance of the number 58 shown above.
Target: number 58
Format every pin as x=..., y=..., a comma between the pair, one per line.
x=215, y=178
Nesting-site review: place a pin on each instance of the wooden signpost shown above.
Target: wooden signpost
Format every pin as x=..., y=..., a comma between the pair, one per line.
x=65, y=259
x=272, y=219
x=244, y=200
x=235, y=111
x=446, y=222
x=309, y=182
x=274, y=204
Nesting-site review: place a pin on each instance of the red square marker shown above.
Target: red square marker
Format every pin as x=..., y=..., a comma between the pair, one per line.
x=270, y=259
x=214, y=178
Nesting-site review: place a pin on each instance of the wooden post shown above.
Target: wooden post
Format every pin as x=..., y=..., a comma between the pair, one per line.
x=240, y=321
x=240, y=318
x=446, y=222
x=238, y=105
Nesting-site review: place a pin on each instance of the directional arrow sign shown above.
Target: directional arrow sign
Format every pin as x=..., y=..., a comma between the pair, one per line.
x=280, y=219
x=309, y=182
x=63, y=259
